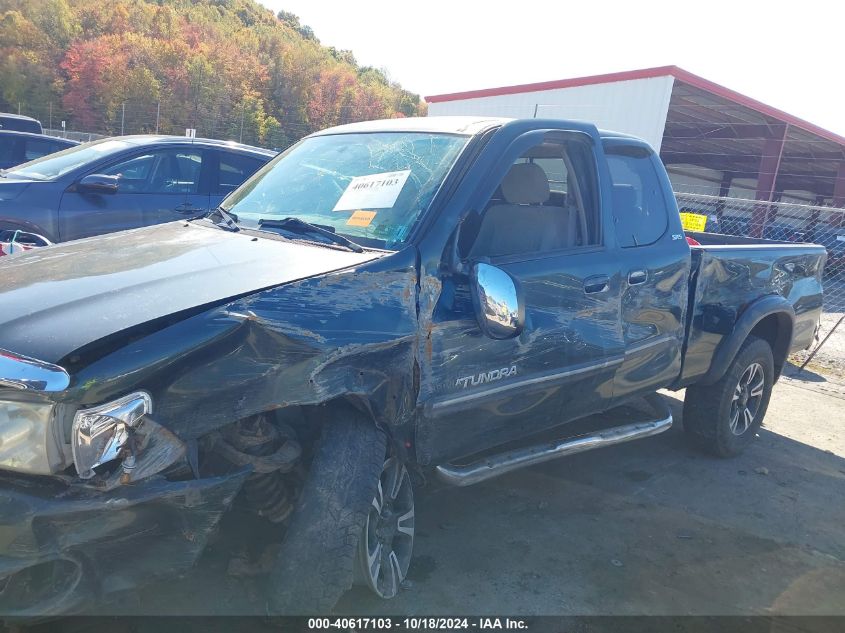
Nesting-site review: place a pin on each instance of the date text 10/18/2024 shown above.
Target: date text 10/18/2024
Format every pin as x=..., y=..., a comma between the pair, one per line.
x=418, y=623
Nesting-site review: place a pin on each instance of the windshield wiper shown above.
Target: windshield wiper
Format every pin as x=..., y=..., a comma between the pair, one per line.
x=301, y=227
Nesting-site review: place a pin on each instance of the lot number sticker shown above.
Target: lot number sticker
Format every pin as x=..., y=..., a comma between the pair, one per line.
x=693, y=221
x=376, y=191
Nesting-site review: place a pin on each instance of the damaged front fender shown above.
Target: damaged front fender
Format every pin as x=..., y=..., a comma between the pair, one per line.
x=349, y=336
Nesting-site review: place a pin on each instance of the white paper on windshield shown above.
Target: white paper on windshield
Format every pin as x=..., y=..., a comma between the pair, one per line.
x=376, y=191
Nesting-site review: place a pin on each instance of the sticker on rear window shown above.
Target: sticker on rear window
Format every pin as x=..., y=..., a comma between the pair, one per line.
x=376, y=191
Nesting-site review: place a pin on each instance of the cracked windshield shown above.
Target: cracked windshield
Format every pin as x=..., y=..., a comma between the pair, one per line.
x=369, y=187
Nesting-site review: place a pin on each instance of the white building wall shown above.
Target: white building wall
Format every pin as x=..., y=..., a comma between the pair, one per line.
x=637, y=107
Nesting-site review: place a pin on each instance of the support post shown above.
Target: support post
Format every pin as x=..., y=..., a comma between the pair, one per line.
x=838, y=219
x=767, y=175
x=724, y=191
x=243, y=111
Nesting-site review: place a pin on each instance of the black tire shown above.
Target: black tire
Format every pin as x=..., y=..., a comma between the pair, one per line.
x=710, y=419
x=317, y=557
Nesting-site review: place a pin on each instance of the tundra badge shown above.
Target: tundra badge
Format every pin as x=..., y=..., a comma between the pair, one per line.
x=490, y=376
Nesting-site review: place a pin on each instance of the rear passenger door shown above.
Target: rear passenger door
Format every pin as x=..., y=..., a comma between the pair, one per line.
x=655, y=265
x=232, y=169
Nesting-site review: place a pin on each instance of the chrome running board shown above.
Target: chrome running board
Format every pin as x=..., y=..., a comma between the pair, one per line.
x=502, y=463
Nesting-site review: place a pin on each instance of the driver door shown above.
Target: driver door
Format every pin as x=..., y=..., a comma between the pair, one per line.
x=542, y=227
x=160, y=185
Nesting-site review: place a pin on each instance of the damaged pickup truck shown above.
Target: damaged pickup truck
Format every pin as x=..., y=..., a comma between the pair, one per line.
x=382, y=303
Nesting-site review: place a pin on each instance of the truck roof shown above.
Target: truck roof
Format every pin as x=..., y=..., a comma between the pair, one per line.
x=464, y=125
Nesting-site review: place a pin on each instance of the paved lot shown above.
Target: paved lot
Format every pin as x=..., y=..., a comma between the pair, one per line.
x=650, y=527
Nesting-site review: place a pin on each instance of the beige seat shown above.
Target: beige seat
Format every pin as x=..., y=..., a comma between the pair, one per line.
x=523, y=224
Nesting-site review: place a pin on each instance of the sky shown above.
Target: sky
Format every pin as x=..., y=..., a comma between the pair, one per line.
x=788, y=55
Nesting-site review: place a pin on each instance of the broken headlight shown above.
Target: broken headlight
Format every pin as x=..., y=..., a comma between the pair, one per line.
x=27, y=438
x=100, y=433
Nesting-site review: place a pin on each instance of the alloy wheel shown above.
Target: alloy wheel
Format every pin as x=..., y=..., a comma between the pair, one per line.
x=388, y=539
x=747, y=397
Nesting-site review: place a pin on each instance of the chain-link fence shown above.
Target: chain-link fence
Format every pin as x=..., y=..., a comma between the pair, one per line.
x=244, y=121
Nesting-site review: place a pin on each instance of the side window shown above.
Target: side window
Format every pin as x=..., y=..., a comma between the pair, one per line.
x=234, y=169
x=639, y=208
x=7, y=149
x=174, y=171
x=546, y=202
x=37, y=147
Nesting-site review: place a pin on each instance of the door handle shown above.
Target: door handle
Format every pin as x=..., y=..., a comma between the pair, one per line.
x=597, y=283
x=636, y=277
x=186, y=207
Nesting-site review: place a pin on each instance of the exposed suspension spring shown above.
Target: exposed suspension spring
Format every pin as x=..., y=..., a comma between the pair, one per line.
x=272, y=451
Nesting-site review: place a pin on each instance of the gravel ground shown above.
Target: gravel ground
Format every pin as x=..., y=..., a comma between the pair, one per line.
x=830, y=359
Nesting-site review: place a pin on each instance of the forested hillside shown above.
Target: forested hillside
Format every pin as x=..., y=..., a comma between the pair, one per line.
x=228, y=68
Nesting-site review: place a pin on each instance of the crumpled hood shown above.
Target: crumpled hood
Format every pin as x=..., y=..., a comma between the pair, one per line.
x=57, y=299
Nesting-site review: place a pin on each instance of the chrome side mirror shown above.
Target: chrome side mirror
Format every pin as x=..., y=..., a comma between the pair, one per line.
x=498, y=309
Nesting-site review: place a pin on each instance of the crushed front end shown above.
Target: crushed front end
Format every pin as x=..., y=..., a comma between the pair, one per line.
x=95, y=500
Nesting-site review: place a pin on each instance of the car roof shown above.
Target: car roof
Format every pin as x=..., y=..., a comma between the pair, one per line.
x=34, y=135
x=20, y=117
x=153, y=139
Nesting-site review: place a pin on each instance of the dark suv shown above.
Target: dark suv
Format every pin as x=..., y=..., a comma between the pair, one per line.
x=20, y=123
x=122, y=183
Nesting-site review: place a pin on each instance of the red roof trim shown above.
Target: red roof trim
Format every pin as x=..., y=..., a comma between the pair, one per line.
x=629, y=75
x=647, y=73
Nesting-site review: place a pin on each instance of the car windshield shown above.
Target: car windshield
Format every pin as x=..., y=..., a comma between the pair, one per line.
x=368, y=187
x=55, y=165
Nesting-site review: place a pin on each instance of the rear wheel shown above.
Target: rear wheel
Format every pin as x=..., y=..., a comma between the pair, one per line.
x=723, y=418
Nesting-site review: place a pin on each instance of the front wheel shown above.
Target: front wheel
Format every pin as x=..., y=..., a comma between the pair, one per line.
x=723, y=418
x=387, y=542
x=316, y=562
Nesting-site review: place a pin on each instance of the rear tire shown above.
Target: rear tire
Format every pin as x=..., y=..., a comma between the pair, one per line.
x=316, y=562
x=724, y=417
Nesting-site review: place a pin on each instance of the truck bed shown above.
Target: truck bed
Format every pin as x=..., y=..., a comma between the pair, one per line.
x=729, y=273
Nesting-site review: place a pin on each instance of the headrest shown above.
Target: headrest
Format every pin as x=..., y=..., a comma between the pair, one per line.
x=525, y=183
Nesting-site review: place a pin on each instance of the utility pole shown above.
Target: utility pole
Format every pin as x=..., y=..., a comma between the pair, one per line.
x=158, y=115
x=19, y=108
x=51, y=115
x=122, y=116
x=243, y=107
